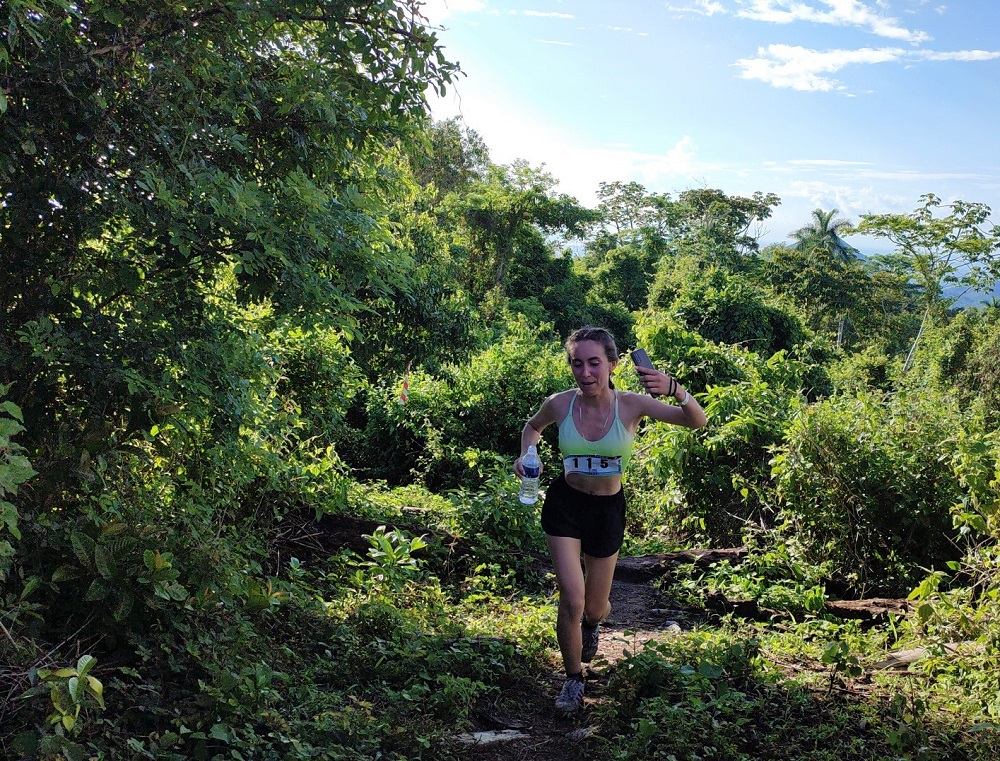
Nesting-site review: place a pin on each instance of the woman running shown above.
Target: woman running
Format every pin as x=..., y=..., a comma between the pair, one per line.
x=584, y=509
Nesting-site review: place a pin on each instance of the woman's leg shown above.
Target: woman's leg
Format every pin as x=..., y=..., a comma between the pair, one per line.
x=600, y=572
x=565, y=552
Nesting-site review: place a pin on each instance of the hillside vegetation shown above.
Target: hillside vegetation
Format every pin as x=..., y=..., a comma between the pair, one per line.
x=229, y=234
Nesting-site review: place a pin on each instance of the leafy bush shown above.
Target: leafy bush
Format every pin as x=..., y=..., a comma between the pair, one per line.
x=318, y=377
x=963, y=357
x=862, y=483
x=477, y=407
x=493, y=516
x=729, y=309
x=768, y=575
x=685, y=698
x=868, y=370
x=722, y=470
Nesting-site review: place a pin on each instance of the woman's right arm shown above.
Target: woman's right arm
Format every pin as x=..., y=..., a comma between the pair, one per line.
x=531, y=434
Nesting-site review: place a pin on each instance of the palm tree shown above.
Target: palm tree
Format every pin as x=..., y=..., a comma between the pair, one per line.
x=824, y=233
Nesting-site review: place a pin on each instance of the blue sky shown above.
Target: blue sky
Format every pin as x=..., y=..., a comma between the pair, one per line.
x=858, y=105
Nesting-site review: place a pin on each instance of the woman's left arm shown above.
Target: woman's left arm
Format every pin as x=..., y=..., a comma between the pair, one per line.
x=685, y=411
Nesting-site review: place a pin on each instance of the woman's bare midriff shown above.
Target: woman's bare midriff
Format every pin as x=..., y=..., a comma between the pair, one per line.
x=603, y=486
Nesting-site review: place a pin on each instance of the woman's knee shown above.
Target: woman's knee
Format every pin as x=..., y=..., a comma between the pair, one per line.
x=572, y=605
x=595, y=612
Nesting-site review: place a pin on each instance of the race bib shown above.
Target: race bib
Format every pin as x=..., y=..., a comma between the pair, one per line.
x=593, y=465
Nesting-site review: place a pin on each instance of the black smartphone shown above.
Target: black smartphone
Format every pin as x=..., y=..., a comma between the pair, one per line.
x=641, y=359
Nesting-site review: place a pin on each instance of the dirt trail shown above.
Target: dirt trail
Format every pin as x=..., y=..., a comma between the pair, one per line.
x=536, y=731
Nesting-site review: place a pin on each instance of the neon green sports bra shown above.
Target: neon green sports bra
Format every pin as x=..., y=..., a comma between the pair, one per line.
x=607, y=456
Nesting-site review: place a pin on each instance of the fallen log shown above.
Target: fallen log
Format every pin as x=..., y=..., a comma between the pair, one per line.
x=871, y=610
x=902, y=659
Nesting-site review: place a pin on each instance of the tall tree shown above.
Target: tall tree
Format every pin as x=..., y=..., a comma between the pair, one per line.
x=505, y=215
x=726, y=227
x=827, y=287
x=822, y=236
x=623, y=205
x=823, y=232
x=451, y=156
x=960, y=248
x=148, y=152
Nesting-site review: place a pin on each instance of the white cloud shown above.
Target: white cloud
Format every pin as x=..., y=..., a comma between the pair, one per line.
x=858, y=171
x=581, y=168
x=549, y=14
x=827, y=162
x=555, y=42
x=700, y=7
x=799, y=68
x=850, y=200
x=960, y=55
x=835, y=12
x=513, y=131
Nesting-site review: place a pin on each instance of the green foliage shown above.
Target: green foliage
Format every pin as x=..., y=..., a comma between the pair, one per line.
x=837, y=654
x=683, y=699
x=120, y=572
x=623, y=276
x=737, y=314
x=391, y=564
x=223, y=245
x=452, y=421
x=962, y=358
x=318, y=380
x=823, y=234
x=860, y=483
x=722, y=470
x=723, y=226
x=547, y=288
x=697, y=363
x=451, y=157
x=831, y=292
x=727, y=308
x=76, y=698
x=425, y=317
x=769, y=576
x=870, y=370
x=976, y=463
x=208, y=143
x=493, y=516
x=70, y=690
x=504, y=220
x=15, y=470
x=630, y=215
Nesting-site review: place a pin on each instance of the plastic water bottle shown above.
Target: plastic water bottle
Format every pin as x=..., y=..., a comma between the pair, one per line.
x=529, y=484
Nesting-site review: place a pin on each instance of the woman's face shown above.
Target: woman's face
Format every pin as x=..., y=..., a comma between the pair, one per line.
x=591, y=366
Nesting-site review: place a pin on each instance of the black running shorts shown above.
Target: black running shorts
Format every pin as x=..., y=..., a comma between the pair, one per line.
x=598, y=521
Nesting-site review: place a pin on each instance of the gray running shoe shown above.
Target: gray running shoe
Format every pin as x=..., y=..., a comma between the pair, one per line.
x=591, y=635
x=570, y=698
